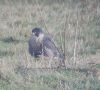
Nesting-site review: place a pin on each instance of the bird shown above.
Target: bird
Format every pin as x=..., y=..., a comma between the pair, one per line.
x=41, y=44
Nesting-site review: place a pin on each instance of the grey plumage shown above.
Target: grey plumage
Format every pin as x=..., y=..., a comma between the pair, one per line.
x=41, y=44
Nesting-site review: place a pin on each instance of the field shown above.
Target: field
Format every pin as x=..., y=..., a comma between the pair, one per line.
x=74, y=25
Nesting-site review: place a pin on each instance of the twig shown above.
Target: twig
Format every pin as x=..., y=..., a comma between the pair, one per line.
x=75, y=43
x=64, y=36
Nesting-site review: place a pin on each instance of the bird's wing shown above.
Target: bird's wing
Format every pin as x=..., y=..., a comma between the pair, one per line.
x=49, y=46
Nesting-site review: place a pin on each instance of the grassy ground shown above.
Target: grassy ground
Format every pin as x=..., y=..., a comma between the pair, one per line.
x=80, y=19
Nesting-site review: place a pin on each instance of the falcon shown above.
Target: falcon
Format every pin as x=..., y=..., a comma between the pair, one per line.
x=41, y=44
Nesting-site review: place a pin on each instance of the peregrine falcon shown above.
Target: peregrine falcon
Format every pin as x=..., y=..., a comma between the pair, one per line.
x=42, y=44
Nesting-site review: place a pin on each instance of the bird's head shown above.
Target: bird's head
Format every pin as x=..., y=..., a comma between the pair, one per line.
x=38, y=33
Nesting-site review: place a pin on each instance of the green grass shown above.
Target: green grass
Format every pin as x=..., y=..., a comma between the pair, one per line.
x=51, y=81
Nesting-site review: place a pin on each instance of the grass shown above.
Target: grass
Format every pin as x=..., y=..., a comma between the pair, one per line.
x=18, y=70
x=51, y=80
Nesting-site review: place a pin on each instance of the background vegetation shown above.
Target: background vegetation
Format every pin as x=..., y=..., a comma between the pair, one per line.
x=75, y=28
